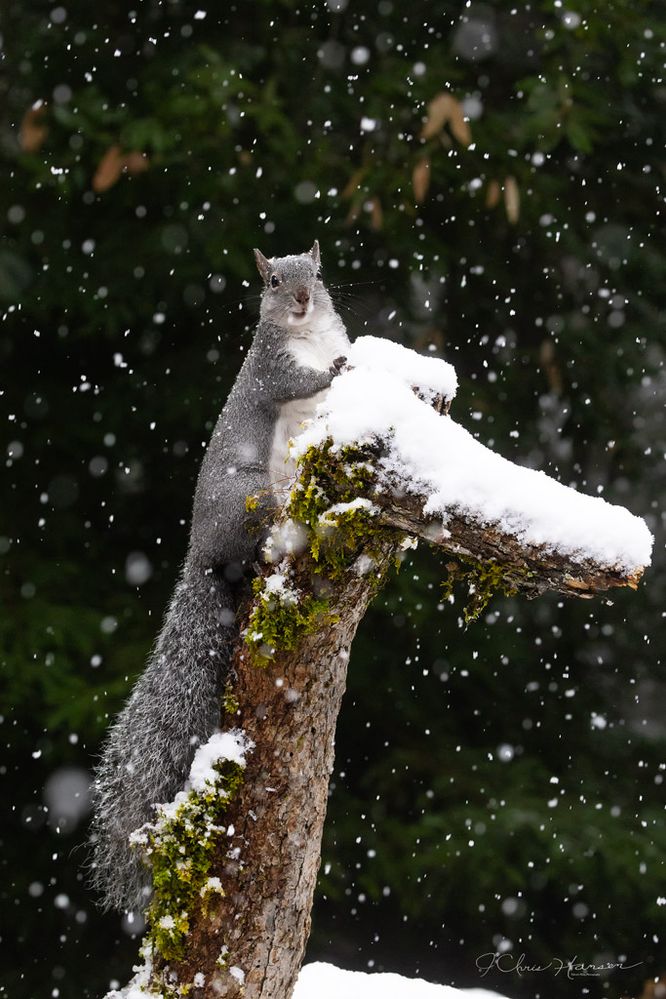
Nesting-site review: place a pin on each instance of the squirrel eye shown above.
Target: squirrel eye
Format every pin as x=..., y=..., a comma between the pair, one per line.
x=275, y=280
x=319, y=276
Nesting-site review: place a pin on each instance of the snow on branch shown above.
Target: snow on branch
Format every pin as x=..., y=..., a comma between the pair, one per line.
x=435, y=480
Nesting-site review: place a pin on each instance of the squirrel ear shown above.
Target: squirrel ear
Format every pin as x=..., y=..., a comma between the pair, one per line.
x=314, y=253
x=263, y=265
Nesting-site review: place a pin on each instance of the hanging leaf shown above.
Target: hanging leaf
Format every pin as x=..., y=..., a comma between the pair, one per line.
x=512, y=199
x=550, y=366
x=437, y=115
x=136, y=162
x=353, y=183
x=33, y=131
x=114, y=163
x=459, y=127
x=109, y=170
x=493, y=192
x=421, y=179
x=376, y=214
x=443, y=110
x=354, y=211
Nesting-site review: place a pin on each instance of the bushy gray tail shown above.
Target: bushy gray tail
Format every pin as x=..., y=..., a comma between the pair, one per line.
x=175, y=706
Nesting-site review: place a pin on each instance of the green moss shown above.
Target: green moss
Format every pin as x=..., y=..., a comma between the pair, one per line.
x=209, y=890
x=230, y=705
x=171, y=990
x=251, y=503
x=179, y=850
x=326, y=479
x=339, y=539
x=484, y=580
x=278, y=624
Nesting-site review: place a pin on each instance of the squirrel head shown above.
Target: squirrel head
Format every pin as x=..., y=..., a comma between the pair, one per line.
x=294, y=294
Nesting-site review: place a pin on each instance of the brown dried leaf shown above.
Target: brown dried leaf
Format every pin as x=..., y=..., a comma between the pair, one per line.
x=136, y=162
x=376, y=215
x=437, y=115
x=353, y=183
x=493, y=193
x=548, y=361
x=512, y=199
x=33, y=132
x=654, y=989
x=114, y=163
x=109, y=170
x=421, y=179
x=354, y=211
x=445, y=109
x=459, y=127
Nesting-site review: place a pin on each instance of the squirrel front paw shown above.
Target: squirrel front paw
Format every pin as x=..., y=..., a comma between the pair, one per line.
x=337, y=365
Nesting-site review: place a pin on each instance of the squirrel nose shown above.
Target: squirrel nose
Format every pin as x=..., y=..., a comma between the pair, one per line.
x=302, y=296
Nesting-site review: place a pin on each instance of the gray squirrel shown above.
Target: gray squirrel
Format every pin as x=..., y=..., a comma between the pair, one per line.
x=300, y=344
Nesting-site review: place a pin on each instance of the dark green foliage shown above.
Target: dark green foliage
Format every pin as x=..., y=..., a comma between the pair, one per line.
x=124, y=320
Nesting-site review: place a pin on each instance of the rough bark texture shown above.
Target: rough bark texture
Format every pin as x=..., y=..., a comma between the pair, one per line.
x=289, y=708
x=529, y=569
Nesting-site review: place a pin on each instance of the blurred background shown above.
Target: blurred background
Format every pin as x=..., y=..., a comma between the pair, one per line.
x=486, y=182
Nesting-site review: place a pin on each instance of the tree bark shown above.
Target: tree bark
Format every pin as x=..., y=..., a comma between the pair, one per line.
x=530, y=569
x=289, y=709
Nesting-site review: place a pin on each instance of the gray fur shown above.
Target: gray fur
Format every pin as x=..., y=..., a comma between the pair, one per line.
x=175, y=704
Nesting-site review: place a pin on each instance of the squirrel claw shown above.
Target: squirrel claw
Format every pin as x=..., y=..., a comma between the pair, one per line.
x=338, y=364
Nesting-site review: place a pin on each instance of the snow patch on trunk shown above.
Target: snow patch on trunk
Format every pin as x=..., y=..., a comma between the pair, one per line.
x=233, y=745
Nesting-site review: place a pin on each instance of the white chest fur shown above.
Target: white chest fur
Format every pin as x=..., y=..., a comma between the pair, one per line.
x=320, y=345
x=315, y=347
